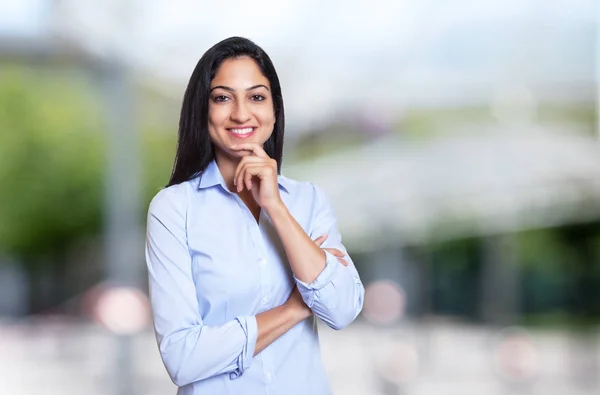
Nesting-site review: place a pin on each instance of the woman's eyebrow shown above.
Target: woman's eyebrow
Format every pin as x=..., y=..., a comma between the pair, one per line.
x=257, y=86
x=233, y=90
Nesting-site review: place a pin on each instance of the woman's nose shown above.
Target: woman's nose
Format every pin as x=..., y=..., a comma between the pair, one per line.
x=240, y=113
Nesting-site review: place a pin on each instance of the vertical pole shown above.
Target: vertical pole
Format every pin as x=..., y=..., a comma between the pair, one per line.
x=123, y=237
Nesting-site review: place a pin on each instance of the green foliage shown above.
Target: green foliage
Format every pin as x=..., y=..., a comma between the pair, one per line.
x=51, y=163
x=542, y=250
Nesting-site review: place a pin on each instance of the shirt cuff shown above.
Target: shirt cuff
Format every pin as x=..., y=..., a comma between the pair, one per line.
x=332, y=265
x=246, y=357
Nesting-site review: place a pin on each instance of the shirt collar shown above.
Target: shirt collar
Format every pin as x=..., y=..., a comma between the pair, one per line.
x=211, y=176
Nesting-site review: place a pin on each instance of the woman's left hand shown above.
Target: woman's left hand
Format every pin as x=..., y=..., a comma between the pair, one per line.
x=258, y=173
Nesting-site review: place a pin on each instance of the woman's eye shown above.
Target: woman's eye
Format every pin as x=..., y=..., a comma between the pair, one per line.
x=258, y=97
x=220, y=98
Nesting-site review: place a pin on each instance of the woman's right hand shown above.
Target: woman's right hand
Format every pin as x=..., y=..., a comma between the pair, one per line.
x=334, y=251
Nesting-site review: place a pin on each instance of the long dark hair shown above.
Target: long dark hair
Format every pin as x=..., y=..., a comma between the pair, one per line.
x=194, y=147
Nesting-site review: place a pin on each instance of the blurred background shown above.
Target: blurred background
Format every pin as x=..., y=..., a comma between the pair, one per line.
x=458, y=141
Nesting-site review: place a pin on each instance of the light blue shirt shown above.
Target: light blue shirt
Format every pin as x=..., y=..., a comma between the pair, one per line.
x=212, y=268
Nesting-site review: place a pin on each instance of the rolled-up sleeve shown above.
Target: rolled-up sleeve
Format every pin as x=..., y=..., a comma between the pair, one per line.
x=190, y=350
x=336, y=295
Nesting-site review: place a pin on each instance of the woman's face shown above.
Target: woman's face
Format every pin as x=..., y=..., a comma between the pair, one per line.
x=240, y=108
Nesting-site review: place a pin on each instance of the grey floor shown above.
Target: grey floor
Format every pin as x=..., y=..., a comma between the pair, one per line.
x=436, y=358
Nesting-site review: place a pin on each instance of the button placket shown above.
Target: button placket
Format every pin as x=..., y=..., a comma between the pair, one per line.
x=265, y=276
x=265, y=286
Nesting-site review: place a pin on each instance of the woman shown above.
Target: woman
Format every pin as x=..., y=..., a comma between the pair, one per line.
x=235, y=275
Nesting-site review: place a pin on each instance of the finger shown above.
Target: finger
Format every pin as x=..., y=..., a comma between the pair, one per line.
x=320, y=240
x=343, y=262
x=239, y=180
x=255, y=170
x=335, y=252
x=256, y=149
x=248, y=177
x=243, y=177
x=236, y=176
x=261, y=170
x=245, y=160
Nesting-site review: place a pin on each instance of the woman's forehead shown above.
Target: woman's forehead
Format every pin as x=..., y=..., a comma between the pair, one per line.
x=239, y=73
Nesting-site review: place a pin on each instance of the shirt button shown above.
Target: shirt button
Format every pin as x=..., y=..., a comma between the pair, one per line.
x=264, y=299
x=263, y=262
x=268, y=377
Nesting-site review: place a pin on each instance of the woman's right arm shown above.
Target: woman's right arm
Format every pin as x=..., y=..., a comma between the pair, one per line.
x=190, y=350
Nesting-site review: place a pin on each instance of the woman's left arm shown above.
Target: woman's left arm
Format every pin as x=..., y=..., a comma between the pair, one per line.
x=332, y=290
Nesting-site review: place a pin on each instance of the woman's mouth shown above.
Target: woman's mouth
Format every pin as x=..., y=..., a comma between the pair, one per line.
x=242, y=133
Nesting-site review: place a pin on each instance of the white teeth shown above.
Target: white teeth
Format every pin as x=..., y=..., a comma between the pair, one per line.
x=241, y=131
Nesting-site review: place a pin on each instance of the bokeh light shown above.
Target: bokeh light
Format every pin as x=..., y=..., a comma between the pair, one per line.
x=384, y=302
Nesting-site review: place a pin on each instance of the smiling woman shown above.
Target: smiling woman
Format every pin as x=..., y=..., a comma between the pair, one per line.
x=226, y=81
x=238, y=255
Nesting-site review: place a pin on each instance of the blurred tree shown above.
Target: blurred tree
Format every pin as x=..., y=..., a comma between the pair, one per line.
x=51, y=163
x=51, y=167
